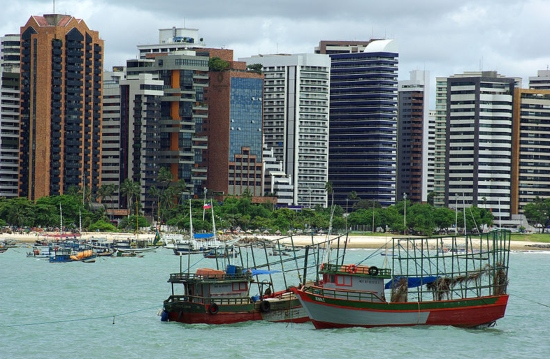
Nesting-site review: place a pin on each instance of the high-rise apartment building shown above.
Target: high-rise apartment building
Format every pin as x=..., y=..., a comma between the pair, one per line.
x=234, y=127
x=478, y=152
x=440, y=159
x=111, y=149
x=296, y=120
x=531, y=146
x=61, y=93
x=413, y=136
x=9, y=115
x=141, y=96
x=363, y=119
x=164, y=119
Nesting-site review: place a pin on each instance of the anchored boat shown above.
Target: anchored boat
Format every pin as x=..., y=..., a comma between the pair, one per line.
x=463, y=288
x=213, y=296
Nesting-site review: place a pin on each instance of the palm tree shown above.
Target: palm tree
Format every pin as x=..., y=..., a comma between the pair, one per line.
x=330, y=190
x=129, y=189
x=352, y=196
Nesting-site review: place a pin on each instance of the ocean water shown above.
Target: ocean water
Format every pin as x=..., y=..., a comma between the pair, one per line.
x=109, y=309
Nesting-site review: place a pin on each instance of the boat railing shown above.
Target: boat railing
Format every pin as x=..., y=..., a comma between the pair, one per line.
x=228, y=300
x=355, y=269
x=209, y=300
x=183, y=277
x=346, y=294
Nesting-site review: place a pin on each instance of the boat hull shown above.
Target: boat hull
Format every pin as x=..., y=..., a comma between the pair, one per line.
x=283, y=311
x=338, y=313
x=197, y=313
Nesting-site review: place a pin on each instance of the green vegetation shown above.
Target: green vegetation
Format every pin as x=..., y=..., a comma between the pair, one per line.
x=362, y=216
x=217, y=64
x=533, y=237
x=257, y=68
x=538, y=212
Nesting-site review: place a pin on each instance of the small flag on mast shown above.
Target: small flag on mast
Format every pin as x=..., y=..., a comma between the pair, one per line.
x=207, y=206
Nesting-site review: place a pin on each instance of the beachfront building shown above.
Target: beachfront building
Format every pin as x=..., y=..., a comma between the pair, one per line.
x=431, y=157
x=440, y=158
x=163, y=121
x=61, y=93
x=9, y=114
x=111, y=141
x=296, y=121
x=531, y=146
x=363, y=119
x=131, y=135
x=234, y=127
x=414, y=158
x=478, y=152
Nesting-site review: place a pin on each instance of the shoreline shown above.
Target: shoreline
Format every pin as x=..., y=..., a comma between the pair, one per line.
x=354, y=241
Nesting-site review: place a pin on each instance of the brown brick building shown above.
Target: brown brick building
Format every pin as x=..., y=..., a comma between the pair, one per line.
x=234, y=128
x=61, y=85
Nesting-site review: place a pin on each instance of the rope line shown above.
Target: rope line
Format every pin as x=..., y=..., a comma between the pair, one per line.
x=530, y=300
x=79, y=319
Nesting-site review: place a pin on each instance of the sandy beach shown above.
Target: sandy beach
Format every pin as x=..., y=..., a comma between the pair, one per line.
x=354, y=241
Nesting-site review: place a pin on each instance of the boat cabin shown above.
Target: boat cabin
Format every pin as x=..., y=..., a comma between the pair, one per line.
x=363, y=282
x=206, y=285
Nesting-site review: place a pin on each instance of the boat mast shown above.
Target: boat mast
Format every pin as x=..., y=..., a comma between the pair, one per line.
x=61, y=220
x=191, y=239
x=464, y=213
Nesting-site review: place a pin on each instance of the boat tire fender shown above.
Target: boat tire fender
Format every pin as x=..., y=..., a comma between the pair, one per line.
x=265, y=306
x=373, y=271
x=213, y=308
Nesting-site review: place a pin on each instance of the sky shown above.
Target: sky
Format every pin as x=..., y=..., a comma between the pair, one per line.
x=444, y=37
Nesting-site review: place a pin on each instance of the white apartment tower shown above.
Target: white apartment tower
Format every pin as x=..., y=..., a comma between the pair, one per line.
x=9, y=114
x=296, y=120
x=478, y=151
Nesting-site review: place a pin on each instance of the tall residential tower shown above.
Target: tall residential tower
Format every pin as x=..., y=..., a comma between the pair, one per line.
x=413, y=136
x=296, y=120
x=363, y=119
x=9, y=115
x=61, y=93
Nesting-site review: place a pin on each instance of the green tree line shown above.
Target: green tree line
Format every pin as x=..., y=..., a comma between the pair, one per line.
x=240, y=212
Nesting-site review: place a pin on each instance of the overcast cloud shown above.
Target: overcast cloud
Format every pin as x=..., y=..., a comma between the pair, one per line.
x=444, y=37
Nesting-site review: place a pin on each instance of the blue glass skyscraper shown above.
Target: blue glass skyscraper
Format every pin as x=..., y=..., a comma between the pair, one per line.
x=363, y=120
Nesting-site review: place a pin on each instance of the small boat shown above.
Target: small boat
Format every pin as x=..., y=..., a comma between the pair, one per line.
x=132, y=246
x=213, y=296
x=61, y=254
x=192, y=243
x=221, y=253
x=119, y=253
x=463, y=288
x=39, y=251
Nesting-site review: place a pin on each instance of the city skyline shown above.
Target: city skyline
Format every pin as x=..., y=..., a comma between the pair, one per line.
x=444, y=38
